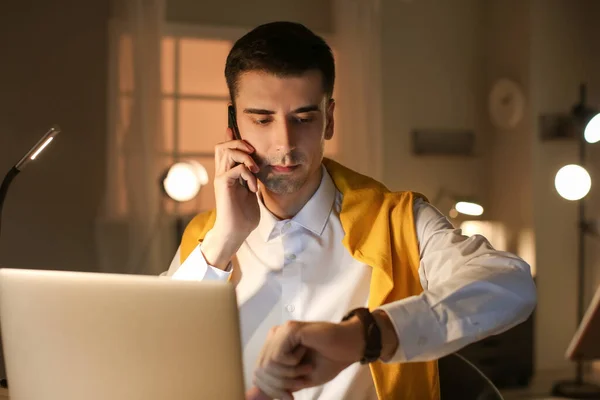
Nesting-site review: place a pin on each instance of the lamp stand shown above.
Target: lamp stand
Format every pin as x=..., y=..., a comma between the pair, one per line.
x=4, y=189
x=578, y=388
x=14, y=171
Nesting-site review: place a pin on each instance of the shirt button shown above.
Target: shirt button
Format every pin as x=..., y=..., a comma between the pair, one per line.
x=286, y=227
x=290, y=308
x=422, y=340
x=291, y=256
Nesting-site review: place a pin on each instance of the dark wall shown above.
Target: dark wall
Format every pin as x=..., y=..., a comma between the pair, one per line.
x=53, y=70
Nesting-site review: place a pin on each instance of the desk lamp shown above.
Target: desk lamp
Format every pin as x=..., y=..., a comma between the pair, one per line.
x=30, y=156
x=573, y=182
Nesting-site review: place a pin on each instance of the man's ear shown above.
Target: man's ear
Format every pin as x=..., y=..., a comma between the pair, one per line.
x=330, y=121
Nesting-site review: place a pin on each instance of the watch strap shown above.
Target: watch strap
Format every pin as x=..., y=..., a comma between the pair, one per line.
x=372, y=334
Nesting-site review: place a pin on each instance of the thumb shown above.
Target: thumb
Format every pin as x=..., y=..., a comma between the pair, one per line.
x=256, y=394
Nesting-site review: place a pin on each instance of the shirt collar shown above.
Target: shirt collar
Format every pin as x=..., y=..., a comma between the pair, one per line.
x=313, y=216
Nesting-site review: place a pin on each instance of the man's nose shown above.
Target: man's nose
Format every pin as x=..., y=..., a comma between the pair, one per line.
x=284, y=137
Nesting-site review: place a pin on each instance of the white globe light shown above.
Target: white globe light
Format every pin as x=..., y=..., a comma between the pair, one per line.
x=592, y=130
x=572, y=182
x=468, y=208
x=184, y=180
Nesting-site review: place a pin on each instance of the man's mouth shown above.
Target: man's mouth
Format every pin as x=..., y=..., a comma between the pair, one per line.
x=284, y=168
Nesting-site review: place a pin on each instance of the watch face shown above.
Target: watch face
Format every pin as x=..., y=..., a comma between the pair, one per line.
x=506, y=104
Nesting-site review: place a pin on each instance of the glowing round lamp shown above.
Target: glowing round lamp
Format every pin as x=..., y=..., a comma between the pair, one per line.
x=592, y=130
x=184, y=180
x=572, y=182
x=468, y=208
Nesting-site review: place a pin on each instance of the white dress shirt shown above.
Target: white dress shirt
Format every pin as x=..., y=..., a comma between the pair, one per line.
x=298, y=269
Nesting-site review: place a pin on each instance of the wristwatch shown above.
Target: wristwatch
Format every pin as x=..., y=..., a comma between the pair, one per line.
x=372, y=334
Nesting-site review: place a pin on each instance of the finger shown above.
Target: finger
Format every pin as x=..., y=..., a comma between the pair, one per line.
x=233, y=176
x=229, y=158
x=283, y=349
x=288, y=385
x=286, y=371
x=299, y=353
x=268, y=389
x=256, y=394
x=273, y=344
x=234, y=144
x=250, y=179
x=292, y=358
x=274, y=387
x=272, y=331
x=229, y=134
x=262, y=357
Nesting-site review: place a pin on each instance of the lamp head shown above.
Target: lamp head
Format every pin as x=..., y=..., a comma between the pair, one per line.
x=587, y=118
x=572, y=182
x=468, y=208
x=35, y=151
x=592, y=130
x=184, y=180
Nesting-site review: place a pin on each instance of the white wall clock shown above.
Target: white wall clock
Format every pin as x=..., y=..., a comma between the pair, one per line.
x=506, y=104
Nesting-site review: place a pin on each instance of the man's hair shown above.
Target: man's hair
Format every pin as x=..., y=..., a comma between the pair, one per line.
x=283, y=49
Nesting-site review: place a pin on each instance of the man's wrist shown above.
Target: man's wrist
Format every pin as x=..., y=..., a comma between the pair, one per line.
x=357, y=333
x=389, y=338
x=371, y=337
x=218, y=249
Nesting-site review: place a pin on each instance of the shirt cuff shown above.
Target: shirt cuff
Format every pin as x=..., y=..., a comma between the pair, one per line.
x=416, y=326
x=195, y=267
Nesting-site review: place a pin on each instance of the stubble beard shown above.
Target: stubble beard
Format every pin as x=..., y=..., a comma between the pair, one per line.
x=279, y=183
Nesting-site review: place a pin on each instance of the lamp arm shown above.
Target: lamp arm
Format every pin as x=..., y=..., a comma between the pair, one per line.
x=4, y=189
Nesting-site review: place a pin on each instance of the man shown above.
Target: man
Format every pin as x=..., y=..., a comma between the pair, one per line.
x=310, y=243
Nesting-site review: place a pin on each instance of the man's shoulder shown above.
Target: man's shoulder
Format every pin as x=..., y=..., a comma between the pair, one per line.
x=355, y=184
x=402, y=201
x=200, y=225
x=409, y=194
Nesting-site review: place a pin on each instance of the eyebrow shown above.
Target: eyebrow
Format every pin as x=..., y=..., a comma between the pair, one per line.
x=300, y=110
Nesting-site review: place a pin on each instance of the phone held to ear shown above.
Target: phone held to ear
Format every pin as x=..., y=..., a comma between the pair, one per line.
x=236, y=133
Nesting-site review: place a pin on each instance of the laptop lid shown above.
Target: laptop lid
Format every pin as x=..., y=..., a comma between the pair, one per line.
x=78, y=335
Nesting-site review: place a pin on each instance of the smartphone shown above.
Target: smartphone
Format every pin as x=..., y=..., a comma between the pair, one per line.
x=233, y=123
x=236, y=133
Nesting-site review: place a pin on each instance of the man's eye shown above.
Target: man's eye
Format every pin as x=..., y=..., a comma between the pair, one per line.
x=304, y=120
x=263, y=121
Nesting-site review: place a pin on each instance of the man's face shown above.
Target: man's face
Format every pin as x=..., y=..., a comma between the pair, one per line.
x=287, y=120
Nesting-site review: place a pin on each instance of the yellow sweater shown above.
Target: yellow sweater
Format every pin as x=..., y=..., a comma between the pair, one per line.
x=379, y=232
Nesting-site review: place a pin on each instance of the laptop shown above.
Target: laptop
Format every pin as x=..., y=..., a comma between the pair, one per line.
x=94, y=336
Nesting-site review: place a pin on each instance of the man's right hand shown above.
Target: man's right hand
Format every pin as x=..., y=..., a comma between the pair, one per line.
x=237, y=207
